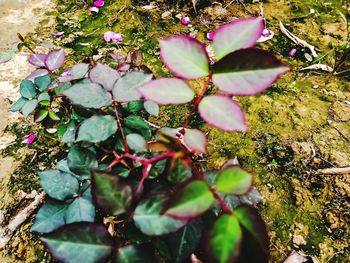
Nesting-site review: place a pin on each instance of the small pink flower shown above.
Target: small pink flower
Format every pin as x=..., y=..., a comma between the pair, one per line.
x=59, y=33
x=265, y=32
x=185, y=20
x=29, y=139
x=117, y=37
x=93, y=9
x=108, y=36
x=99, y=3
x=292, y=52
x=210, y=36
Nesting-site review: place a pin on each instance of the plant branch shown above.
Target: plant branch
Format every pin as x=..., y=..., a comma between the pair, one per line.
x=196, y=103
x=222, y=203
x=126, y=147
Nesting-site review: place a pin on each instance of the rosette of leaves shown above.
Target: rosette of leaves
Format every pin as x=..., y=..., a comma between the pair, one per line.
x=156, y=201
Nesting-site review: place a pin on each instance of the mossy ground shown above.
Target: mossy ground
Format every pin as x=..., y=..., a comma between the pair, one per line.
x=293, y=127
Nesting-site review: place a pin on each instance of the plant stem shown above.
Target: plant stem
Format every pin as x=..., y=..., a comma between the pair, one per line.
x=222, y=203
x=196, y=103
x=126, y=148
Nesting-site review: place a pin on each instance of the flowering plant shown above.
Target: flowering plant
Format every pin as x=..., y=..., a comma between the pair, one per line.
x=145, y=184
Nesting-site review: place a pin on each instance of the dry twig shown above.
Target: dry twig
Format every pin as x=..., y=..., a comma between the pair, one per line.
x=335, y=170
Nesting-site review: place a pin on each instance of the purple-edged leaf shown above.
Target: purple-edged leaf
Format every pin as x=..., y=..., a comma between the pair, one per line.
x=104, y=75
x=191, y=201
x=184, y=56
x=241, y=33
x=37, y=73
x=247, y=72
x=55, y=59
x=233, y=180
x=37, y=60
x=196, y=140
x=125, y=89
x=222, y=112
x=80, y=242
x=110, y=193
x=225, y=239
x=149, y=220
x=78, y=71
x=167, y=91
x=255, y=234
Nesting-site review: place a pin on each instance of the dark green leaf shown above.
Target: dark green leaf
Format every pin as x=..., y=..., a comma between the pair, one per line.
x=97, y=129
x=185, y=241
x=133, y=254
x=58, y=185
x=42, y=82
x=148, y=218
x=233, y=180
x=18, y=104
x=69, y=135
x=81, y=160
x=111, y=193
x=225, y=239
x=180, y=172
x=190, y=201
x=94, y=96
x=138, y=124
x=122, y=172
x=80, y=242
x=134, y=106
x=29, y=107
x=80, y=210
x=50, y=216
x=27, y=89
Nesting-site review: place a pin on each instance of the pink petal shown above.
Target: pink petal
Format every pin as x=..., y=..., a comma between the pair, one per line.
x=108, y=36
x=117, y=37
x=29, y=139
x=93, y=9
x=185, y=20
x=99, y=3
x=292, y=52
x=59, y=33
x=210, y=36
x=265, y=32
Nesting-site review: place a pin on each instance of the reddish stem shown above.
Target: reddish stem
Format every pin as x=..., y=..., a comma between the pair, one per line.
x=126, y=148
x=222, y=203
x=145, y=172
x=196, y=103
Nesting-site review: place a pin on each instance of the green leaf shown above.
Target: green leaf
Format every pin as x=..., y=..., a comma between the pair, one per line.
x=185, y=241
x=27, y=89
x=40, y=115
x=81, y=160
x=191, y=201
x=80, y=210
x=50, y=216
x=18, y=104
x=225, y=239
x=69, y=134
x=53, y=116
x=151, y=107
x=78, y=71
x=97, y=129
x=42, y=82
x=44, y=96
x=125, y=89
x=58, y=185
x=80, y=242
x=136, y=142
x=133, y=254
x=149, y=220
x=94, y=95
x=111, y=193
x=29, y=107
x=45, y=103
x=233, y=180
x=138, y=124
x=185, y=56
x=122, y=172
x=255, y=237
x=134, y=106
x=179, y=173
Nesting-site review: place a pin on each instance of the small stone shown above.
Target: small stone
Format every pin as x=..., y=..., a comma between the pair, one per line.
x=308, y=57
